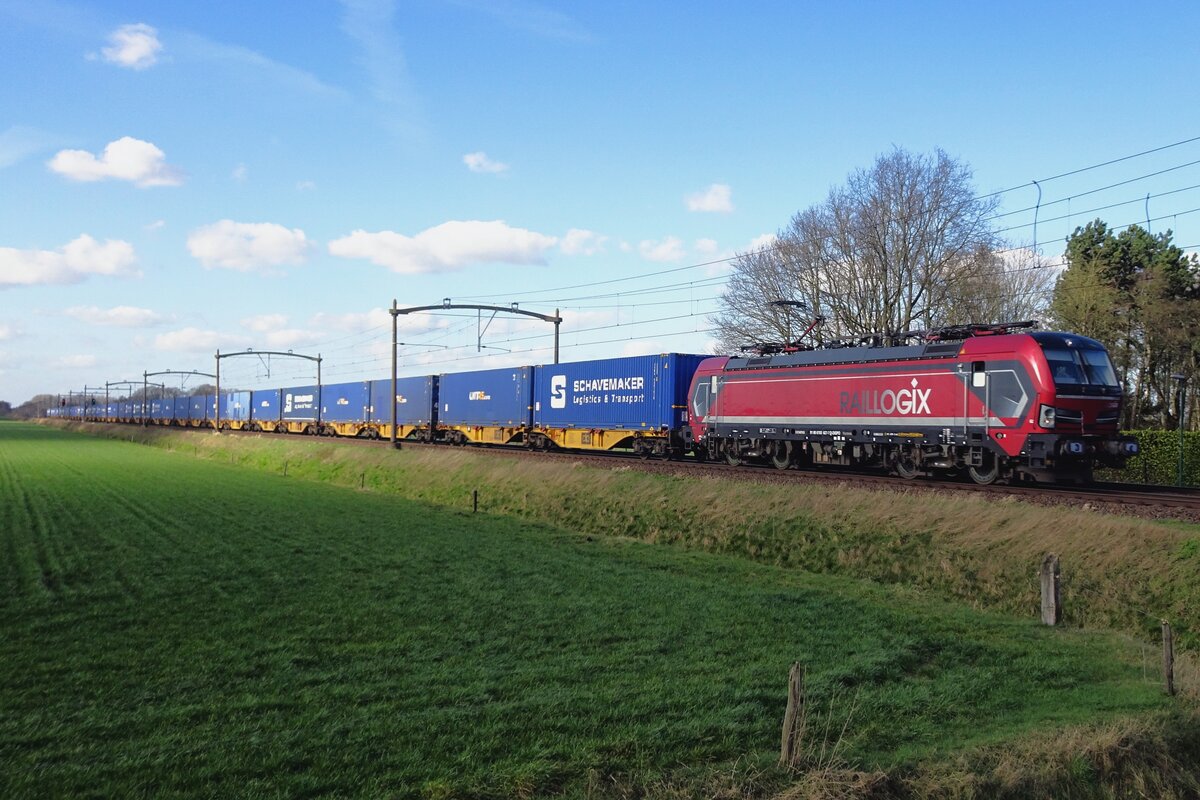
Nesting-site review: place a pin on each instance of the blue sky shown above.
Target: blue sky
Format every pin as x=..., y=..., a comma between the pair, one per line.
x=181, y=177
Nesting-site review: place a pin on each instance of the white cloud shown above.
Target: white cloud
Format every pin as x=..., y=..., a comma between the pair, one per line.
x=191, y=340
x=479, y=162
x=531, y=17
x=71, y=263
x=133, y=46
x=19, y=142
x=353, y=322
x=273, y=332
x=241, y=64
x=1024, y=258
x=287, y=338
x=372, y=25
x=265, y=322
x=377, y=319
x=644, y=347
x=126, y=159
x=7, y=332
x=240, y=173
x=305, y=186
x=581, y=320
x=669, y=249
x=446, y=247
x=116, y=317
x=767, y=240
x=715, y=198
x=246, y=246
x=579, y=242
x=158, y=224
x=706, y=247
x=76, y=362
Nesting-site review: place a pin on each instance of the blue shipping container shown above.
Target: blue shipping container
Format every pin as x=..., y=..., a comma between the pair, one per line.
x=414, y=400
x=493, y=397
x=202, y=406
x=300, y=403
x=346, y=402
x=638, y=392
x=235, y=406
x=266, y=407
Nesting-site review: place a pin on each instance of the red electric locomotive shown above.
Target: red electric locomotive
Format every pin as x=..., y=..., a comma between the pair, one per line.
x=988, y=400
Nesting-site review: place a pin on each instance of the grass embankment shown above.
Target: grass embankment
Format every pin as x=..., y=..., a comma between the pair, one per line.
x=170, y=626
x=1118, y=572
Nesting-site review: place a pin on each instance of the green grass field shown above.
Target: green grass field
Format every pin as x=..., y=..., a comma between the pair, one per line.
x=173, y=626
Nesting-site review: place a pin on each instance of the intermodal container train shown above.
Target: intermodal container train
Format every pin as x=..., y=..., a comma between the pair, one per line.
x=988, y=401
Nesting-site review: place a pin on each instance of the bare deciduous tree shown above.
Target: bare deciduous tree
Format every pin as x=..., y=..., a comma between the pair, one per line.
x=905, y=244
x=1001, y=286
x=759, y=277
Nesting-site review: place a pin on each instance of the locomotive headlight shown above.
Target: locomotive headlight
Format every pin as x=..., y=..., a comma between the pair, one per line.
x=1046, y=417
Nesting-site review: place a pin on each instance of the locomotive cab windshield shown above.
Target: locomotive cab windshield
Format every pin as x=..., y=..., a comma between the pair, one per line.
x=1079, y=365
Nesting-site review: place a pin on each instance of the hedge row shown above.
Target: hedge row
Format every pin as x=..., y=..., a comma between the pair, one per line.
x=1158, y=461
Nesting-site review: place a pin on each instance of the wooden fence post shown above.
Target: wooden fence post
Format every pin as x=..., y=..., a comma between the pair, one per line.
x=1051, y=578
x=1168, y=658
x=793, y=718
x=475, y=501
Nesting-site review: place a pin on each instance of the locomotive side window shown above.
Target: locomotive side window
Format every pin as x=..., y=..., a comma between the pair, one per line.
x=1005, y=395
x=978, y=374
x=700, y=399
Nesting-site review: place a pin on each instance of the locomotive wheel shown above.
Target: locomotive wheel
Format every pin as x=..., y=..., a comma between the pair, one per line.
x=906, y=467
x=732, y=459
x=781, y=457
x=986, y=473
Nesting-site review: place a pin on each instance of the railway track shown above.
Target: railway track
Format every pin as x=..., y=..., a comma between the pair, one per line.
x=1159, y=502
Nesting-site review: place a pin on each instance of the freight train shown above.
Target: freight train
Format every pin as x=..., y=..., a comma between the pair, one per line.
x=992, y=402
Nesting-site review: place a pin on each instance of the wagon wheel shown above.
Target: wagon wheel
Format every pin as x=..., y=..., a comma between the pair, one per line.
x=731, y=457
x=987, y=472
x=781, y=455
